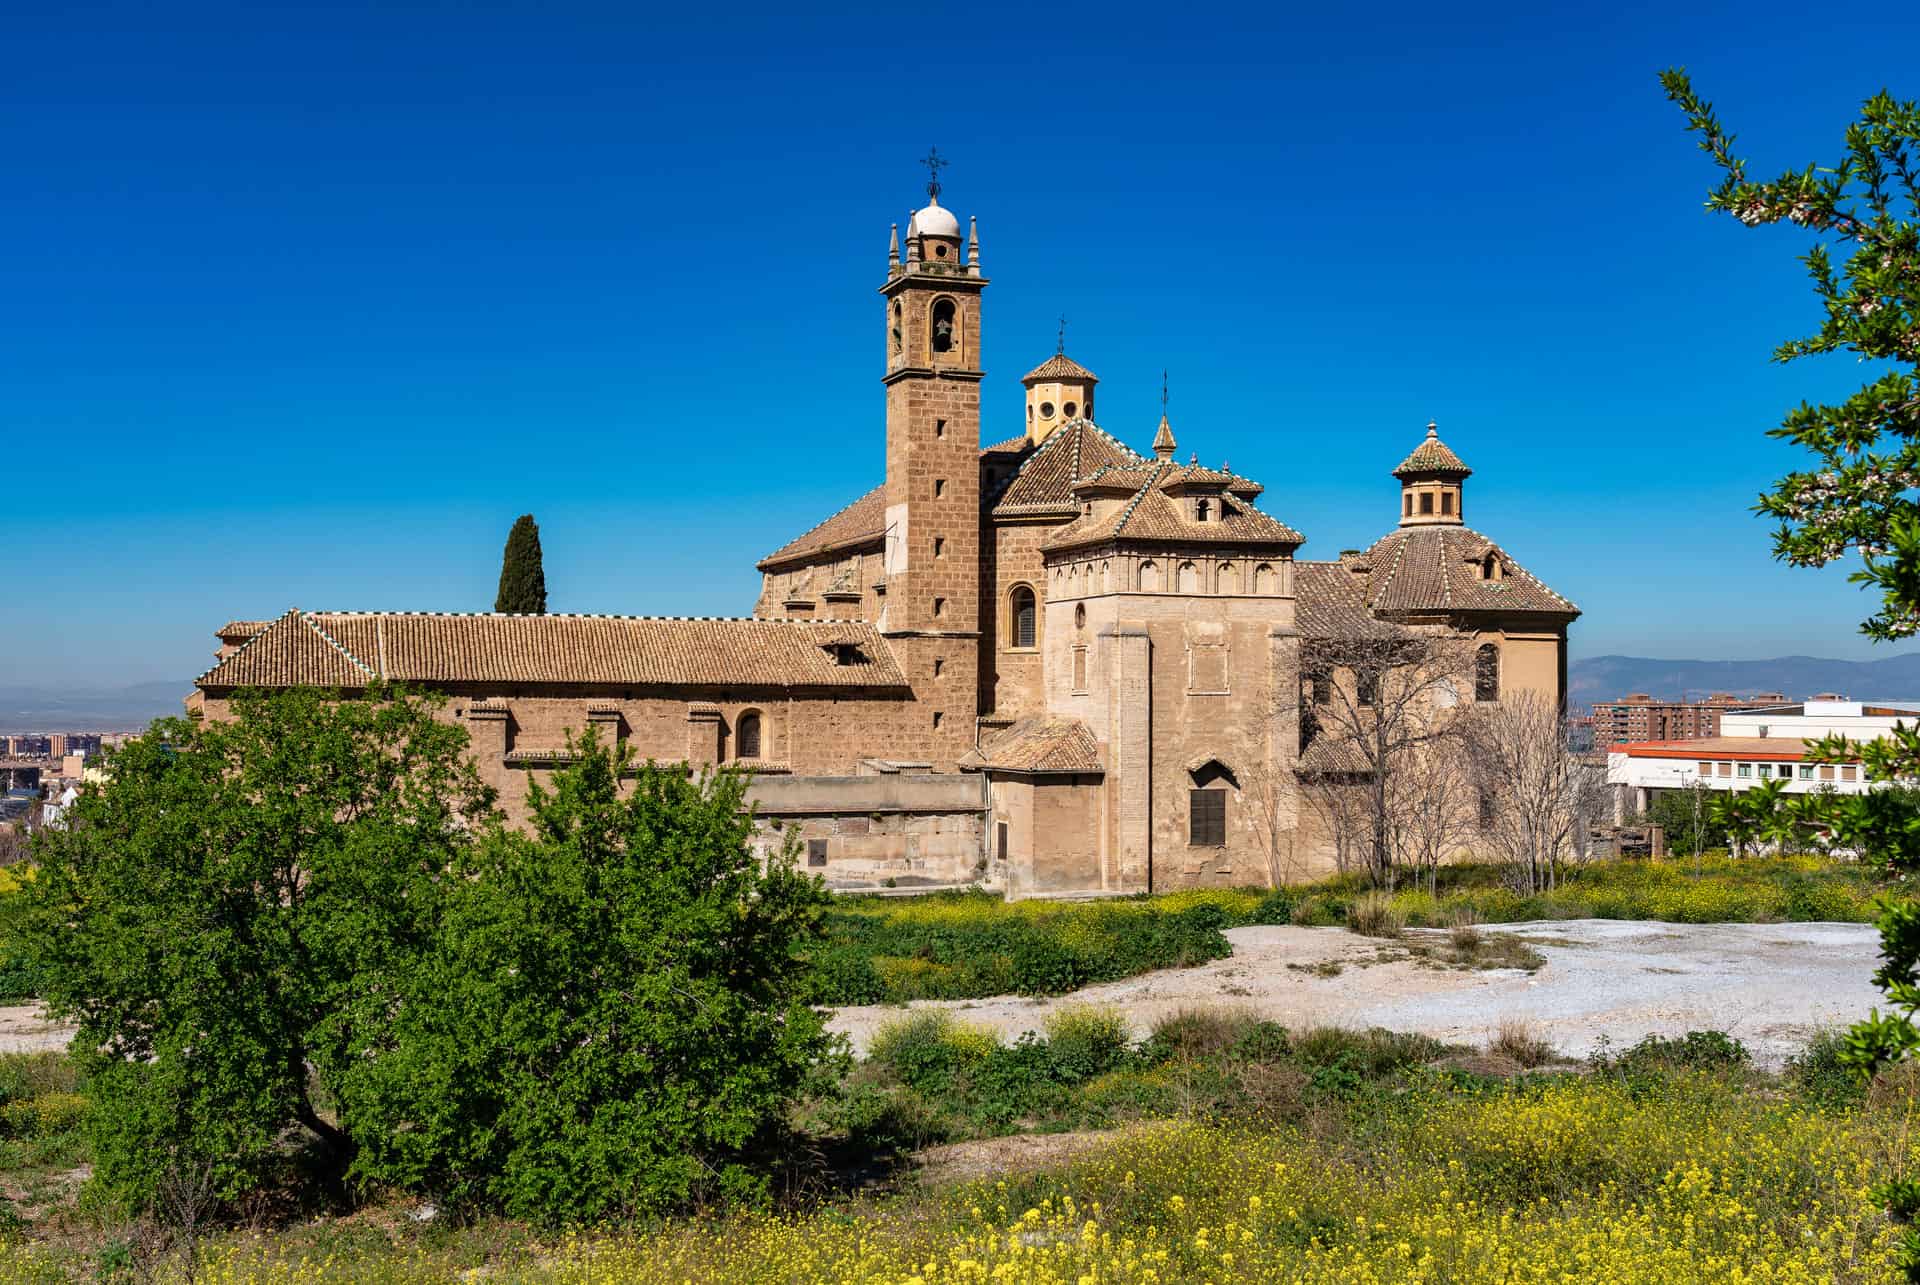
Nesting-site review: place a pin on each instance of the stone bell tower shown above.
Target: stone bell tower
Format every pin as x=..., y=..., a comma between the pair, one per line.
x=931, y=612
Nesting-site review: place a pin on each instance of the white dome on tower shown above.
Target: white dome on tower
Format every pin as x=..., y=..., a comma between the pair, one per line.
x=935, y=220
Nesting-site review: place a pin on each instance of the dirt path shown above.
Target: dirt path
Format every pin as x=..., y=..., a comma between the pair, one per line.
x=24, y=1030
x=1770, y=985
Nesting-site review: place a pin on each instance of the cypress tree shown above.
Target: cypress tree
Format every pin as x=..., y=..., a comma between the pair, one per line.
x=523, y=581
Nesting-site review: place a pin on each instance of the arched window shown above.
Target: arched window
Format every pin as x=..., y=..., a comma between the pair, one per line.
x=1228, y=580
x=945, y=326
x=1022, y=616
x=746, y=736
x=1489, y=567
x=1486, y=673
x=1263, y=579
x=1189, y=579
x=1149, y=576
x=896, y=327
x=1207, y=805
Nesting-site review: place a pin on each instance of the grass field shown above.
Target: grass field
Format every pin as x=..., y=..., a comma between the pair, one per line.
x=1312, y=1157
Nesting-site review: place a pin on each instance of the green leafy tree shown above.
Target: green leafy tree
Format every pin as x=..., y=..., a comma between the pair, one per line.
x=613, y=1019
x=1862, y=494
x=228, y=917
x=523, y=580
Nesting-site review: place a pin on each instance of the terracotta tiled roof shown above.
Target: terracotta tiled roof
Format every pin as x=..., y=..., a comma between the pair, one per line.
x=351, y=649
x=240, y=630
x=862, y=522
x=1059, y=366
x=1436, y=568
x=1332, y=754
x=1043, y=484
x=1717, y=747
x=1432, y=456
x=1330, y=602
x=1153, y=514
x=1043, y=744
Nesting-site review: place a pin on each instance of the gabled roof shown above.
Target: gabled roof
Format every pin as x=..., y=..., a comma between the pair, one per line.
x=1059, y=366
x=1422, y=569
x=1154, y=514
x=1330, y=602
x=352, y=649
x=1044, y=744
x=1432, y=458
x=1043, y=484
x=860, y=523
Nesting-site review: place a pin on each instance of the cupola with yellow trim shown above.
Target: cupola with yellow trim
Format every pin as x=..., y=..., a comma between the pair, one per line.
x=1059, y=390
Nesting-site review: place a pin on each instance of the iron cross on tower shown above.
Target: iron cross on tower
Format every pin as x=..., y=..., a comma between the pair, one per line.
x=934, y=163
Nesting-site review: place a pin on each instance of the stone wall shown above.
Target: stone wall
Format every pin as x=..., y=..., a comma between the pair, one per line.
x=889, y=830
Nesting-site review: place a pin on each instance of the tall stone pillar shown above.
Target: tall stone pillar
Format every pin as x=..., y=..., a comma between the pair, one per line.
x=1130, y=748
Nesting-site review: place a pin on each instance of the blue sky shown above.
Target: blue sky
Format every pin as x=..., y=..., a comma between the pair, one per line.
x=304, y=304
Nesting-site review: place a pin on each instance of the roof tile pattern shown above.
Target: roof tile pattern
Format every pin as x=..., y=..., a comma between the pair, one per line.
x=351, y=649
x=1044, y=482
x=1154, y=514
x=862, y=522
x=1420, y=569
x=1042, y=744
x=1432, y=456
x=1059, y=366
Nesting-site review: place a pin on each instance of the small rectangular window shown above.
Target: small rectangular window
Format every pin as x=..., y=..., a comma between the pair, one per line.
x=1826, y=771
x=939, y=606
x=1446, y=501
x=1847, y=772
x=1806, y=771
x=937, y=716
x=1745, y=769
x=1426, y=501
x=1706, y=769
x=939, y=546
x=1207, y=818
x=1079, y=669
x=816, y=852
x=1726, y=769
x=1000, y=840
x=1366, y=686
x=1408, y=505
x=939, y=428
x=939, y=487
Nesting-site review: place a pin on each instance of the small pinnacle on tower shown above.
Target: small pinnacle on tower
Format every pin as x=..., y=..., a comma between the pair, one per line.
x=973, y=245
x=1163, y=444
x=1433, y=428
x=893, y=248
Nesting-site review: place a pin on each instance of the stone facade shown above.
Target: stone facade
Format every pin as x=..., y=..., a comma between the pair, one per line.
x=1053, y=665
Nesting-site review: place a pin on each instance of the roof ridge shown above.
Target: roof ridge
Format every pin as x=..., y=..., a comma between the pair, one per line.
x=307, y=619
x=1134, y=504
x=579, y=615
x=218, y=662
x=830, y=517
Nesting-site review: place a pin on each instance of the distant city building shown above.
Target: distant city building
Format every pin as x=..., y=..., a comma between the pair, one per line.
x=1754, y=745
x=1639, y=717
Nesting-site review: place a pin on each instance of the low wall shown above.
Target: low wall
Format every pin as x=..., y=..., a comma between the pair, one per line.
x=888, y=831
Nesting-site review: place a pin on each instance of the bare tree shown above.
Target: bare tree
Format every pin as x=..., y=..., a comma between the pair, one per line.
x=1534, y=791
x=1433, y=808
x=1380, y=702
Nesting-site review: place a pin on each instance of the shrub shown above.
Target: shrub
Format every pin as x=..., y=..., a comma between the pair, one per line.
x=1375, y=915
x=1464, y=930
x=1196, y=1032
x=1822, y=1077
x=611, y=1020
x=1275, y=908
x=1085, y=1042
x=1694, y=1051
x=1521, y=1043
x=928, y=1049
x=42, y=1116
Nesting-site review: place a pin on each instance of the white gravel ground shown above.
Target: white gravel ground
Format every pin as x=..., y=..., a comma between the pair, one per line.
x=1770, y=985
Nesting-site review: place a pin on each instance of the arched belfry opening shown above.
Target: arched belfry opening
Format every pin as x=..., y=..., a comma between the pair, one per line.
x=945, y=330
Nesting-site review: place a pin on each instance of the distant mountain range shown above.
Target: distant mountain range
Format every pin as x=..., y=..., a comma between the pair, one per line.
x=1605, y=678
x=83, y=709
